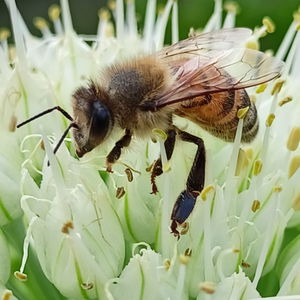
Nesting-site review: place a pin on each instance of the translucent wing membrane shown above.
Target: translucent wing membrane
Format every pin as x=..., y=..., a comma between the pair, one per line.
x=212, y=67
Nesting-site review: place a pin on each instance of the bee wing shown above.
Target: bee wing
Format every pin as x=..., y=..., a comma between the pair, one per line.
x=207, y=44
x=232, y=69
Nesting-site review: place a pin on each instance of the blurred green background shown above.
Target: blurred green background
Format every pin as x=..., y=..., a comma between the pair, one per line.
x=192, y=13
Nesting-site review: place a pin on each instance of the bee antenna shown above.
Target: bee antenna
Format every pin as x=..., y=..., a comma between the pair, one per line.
x=47, y=111
x=62, y=138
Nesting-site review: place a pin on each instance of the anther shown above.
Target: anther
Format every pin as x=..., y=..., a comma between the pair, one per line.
x=232, y=7
x=205, y=192
x=296, y=202
x=21, y=276
x=294, y=165
x=268, y=23
x=129, y=174
x=255, y=205
x=4, y=34
x=104, y=14
x=54, y=12
x=261, y=88
x=277, y=87
x=207, y=287
x=67, y=226
x=87, y=285
x=285, y=100
x=270, y=120
x=167, y=264
x=254, y=45
x=257, y=167
x=277, y=189
x=40, y=23
x=294, y=139
x=120, y=192
x=160, y=133
x=7, y=294
x=242, y=112
x=245, y=265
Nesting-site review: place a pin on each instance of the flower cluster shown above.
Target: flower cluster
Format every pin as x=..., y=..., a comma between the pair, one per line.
x=95, y=235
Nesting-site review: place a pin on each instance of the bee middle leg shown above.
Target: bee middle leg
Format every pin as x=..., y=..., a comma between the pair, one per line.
x=115, y=153
x=156, y=168
x=194, y=185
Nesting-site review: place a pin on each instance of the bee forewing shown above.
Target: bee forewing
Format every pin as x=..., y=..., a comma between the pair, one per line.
x=232, y=69
x=211, y=42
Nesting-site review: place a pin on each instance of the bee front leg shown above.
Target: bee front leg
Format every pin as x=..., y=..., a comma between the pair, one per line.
x=115, y=153
x=156, y=168
x=186, y=200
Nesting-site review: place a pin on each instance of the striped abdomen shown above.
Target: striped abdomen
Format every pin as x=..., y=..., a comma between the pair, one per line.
x=217, y=113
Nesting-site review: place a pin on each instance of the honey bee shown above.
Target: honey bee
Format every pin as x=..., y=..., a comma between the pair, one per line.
x=202, y=78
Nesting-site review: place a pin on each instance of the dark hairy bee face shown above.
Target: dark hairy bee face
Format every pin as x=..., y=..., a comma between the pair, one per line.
x=94, y=120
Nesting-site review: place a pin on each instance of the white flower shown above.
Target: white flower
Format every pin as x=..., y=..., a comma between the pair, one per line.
x=83, y=222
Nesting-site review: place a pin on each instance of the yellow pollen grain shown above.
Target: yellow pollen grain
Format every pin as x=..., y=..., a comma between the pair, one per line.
x=236, y=250
x=253, y=45
x=277, y=87
x=298, y=27
x=296, y=202
x=167, y=264
x=257, y=167
x=205, y=192
x=207, y=287
x=277, y=189
x=294, y=139
x=40, y=23
x=255, y=205
x=103, y=14
x=261, y=88
x=160, y=133
x=183, y=259
x=294, y=165
x=7, y=294
x=20, y=276
x=232, y=7
x=269, y=24
x=54, y=12
x=4, y=34
x=270, y=120
x=66, y=227
x=285, y=101
x=242, y=112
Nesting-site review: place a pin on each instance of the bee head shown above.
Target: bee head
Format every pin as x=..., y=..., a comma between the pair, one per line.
x=93, y=118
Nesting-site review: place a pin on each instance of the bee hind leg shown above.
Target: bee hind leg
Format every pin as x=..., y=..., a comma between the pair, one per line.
x=186, y=200
x=115, y=153
x=156, y=168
